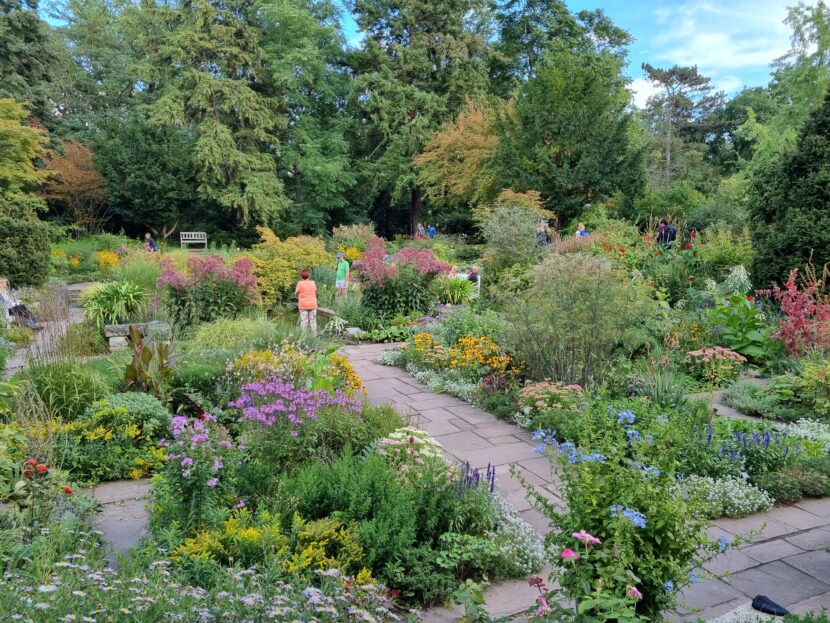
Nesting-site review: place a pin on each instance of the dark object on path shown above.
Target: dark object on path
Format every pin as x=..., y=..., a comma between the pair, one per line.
x=768, y=606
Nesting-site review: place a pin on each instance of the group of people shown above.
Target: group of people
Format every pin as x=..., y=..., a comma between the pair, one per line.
x=422, y=232
x=470, y=273
x=666, y=233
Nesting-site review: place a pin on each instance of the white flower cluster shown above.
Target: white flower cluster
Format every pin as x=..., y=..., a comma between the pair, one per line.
x=430, y=378
x=461, y=389
x=521, y=546
x=390, y=357
x=724, y=497
x=411, y=441
x=809, y=430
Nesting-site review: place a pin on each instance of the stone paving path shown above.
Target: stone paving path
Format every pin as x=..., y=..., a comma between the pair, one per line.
x=122, y=516
x=788, y=561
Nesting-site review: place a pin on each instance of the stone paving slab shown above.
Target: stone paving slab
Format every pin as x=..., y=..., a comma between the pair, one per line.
x=785, y=561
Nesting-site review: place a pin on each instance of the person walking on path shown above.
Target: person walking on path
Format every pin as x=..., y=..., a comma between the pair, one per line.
x=306, y=291
x=666, y=233
x=150, y=244
x=342, y=274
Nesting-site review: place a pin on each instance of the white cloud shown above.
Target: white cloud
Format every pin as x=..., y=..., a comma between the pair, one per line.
x=642, y=89
x=722, y=39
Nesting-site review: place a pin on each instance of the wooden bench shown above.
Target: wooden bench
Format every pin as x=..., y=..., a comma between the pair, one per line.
x=193, y=237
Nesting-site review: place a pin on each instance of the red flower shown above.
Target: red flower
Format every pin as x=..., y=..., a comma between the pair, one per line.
x=67, y=490
x=688, y=245
x=622, y=249
x=27, y=473
x=693, y=233
x=810, y=284
x=750, y=298
x=31, y=462
x=42, y=468
x=393, y=593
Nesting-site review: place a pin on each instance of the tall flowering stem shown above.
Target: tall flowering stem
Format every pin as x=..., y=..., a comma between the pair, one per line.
x=200, y=461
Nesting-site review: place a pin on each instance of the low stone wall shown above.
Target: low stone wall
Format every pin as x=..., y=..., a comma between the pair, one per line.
x=117, y=334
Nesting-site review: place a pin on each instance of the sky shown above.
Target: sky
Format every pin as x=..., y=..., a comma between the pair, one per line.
x=731, y=41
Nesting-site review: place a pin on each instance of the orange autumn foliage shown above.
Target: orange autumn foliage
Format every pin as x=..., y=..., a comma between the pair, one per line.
x=77, y=187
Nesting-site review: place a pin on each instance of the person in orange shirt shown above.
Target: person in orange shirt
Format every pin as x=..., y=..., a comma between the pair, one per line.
x=306, y=291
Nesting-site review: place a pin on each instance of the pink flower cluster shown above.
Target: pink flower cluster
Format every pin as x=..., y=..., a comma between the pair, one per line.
x=806, y=322
x=422, y=260
x=716, y=353
x=201, y=269
x=376, y=266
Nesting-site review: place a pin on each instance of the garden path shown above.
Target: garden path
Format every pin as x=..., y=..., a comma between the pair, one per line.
x=122, y=515
x=788, y=561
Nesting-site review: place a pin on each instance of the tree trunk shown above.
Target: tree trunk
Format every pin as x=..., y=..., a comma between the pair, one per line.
x=415, y=211
x=298, y=194
x=667, y=175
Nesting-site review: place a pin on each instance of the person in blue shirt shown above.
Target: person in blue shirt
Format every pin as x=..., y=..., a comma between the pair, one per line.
x=150, y=244
x=581, y=232
x=431, y=231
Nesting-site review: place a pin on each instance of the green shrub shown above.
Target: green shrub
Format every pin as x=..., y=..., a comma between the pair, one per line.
x=467, y=321
x=232, y=334
x=112, y=303
x=719, y=249
x=114, y=438
x=203, y=376
x=406, y=293
x=66, y=388
x=783, y=486
x=579, y=311
x=21, y=336
x=138, y=269
x=742, y=327
x=456, y=291
x=24, y=242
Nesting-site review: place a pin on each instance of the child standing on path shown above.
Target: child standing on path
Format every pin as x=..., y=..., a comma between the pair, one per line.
x=306, y=291
x=342, y=276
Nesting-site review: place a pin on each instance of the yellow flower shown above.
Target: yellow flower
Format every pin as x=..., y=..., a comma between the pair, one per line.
x=106, y=259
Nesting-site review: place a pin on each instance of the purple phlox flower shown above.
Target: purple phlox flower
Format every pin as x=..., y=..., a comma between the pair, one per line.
x=187, y=461
x=217, y=464
x=239, y=504
x=212, y=482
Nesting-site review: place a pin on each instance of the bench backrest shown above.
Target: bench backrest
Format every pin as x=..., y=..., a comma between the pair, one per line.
x=198, y=236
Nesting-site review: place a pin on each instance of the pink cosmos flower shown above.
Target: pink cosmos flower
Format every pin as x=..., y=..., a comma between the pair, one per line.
x=569, y=553
x=585, y=538
x=543, y=606
x=634, y=593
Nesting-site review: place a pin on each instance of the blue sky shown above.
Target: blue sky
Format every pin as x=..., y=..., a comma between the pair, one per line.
x=731, y=41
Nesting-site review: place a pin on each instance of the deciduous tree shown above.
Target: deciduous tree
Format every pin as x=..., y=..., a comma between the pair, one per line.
x=77, y=188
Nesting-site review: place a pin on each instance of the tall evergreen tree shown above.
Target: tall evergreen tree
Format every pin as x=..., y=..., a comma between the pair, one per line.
x=27, y=57
x=206, y=71
x=569, y=135
x=304, y=58
x=420, y=60
x=528, y=28
x=790, y=205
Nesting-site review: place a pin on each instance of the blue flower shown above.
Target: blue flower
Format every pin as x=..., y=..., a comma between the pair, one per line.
x=633, y=434
x=723, y=543
x=593, y=457
x=651, y=471
x=693, y=577
x=663, y=419
x=632, y=515
x=539, y=434
x=668, y=587
x=625, y=417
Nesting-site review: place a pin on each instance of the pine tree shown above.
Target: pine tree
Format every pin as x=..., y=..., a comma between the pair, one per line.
x=27, y=57
x=207, y=74
x=790, y=205
x=420, y=61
